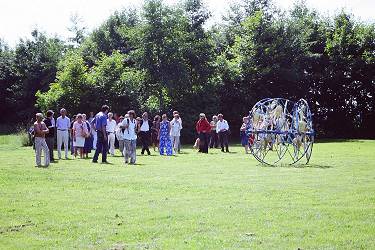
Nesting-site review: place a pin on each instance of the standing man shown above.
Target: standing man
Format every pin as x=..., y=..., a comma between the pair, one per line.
x=50, y=136
x=40, y=143
x=110, y=128
x=130, y=137
x=145, y=133
x=62, y=125
x=203, y=129
x=222, y=129
x=102, y=142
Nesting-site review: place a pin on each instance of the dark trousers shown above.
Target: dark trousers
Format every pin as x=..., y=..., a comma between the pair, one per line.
x=203, y=144
x=223, y=139
x=50, y=144
x=101, y=147
x=213, y=139
x=145, y=138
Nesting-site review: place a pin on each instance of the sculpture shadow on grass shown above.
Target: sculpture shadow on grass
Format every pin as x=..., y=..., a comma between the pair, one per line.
x=309, y=165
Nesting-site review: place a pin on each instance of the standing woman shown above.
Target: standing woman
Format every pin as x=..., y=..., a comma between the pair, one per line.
x=72, y=149
x=120, y=134
x=155, y=132
x=40, y=130
x=244, y=137
x=175, y=132
x=164, y=136
x=79, y=135
x=50, y=136
x=213, y=135
x=94, y=135
x=88, y=139
x=203, y=129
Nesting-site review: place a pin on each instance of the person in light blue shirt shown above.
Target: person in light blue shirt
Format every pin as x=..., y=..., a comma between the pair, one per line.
x=62, y=127
x=102, y=141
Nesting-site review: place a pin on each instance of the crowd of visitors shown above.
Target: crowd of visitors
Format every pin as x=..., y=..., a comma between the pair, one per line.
x=101, y=133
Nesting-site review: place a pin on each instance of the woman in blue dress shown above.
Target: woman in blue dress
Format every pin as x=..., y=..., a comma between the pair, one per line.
x=164, y=136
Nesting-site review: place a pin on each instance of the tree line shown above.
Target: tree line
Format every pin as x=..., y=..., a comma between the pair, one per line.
x=161, y=58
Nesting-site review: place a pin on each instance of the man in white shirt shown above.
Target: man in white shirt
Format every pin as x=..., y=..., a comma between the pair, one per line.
x=130, y=137
x=145, y=133
x=110, y=129
x=62, y=126
x=222, y=129
x=175, y=132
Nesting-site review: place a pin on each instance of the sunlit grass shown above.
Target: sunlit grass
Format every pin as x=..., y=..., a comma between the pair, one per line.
x=190, y=201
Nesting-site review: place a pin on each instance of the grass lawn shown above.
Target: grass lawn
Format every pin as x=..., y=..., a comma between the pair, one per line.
x=192, y=201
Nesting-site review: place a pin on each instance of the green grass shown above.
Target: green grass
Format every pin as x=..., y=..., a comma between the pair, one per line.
x=192, y=201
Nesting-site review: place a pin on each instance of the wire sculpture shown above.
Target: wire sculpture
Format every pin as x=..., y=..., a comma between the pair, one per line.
x=280, y=131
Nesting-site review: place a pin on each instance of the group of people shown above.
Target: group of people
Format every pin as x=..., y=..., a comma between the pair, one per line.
x=100, y=132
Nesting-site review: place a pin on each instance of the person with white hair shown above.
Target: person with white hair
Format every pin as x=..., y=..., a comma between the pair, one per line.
x=40, y=131
x=110, y=128
x=62, y=126
x=222, y=129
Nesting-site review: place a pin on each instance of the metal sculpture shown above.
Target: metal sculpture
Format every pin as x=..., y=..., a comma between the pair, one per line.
x=280, y=131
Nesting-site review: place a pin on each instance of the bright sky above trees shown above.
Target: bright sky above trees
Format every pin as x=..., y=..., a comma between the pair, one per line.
x=19, y=17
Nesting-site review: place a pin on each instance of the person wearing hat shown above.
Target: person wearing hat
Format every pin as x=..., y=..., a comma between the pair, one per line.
x=40, y=130
x=50, y=136
x=62, y=126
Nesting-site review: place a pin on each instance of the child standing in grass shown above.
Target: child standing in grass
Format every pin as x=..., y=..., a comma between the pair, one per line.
x=40, y=131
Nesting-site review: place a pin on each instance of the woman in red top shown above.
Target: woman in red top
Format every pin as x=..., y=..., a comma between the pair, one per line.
x=203, y=129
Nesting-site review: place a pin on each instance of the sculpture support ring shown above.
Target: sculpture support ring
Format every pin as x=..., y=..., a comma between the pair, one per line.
x=280, y=131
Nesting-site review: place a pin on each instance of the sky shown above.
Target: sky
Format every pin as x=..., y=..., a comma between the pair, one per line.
x=19, y=17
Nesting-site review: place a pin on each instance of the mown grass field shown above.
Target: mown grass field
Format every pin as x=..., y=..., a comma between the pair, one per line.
x=192, y=201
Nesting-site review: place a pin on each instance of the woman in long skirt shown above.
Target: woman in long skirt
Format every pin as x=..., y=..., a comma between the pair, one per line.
x=88, y=140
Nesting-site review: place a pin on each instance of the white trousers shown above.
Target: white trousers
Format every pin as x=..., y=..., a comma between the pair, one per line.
x=62, y=137
x=95, y=137
x=41, y=145
x=175, y=143
x=111, y=143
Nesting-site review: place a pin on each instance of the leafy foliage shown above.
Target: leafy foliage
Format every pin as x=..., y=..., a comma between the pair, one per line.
x=162, y=58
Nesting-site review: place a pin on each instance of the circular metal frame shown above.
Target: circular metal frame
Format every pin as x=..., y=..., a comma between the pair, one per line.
x=280, y=131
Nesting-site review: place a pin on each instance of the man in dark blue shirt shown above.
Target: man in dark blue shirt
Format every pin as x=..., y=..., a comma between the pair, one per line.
x=102, y=142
